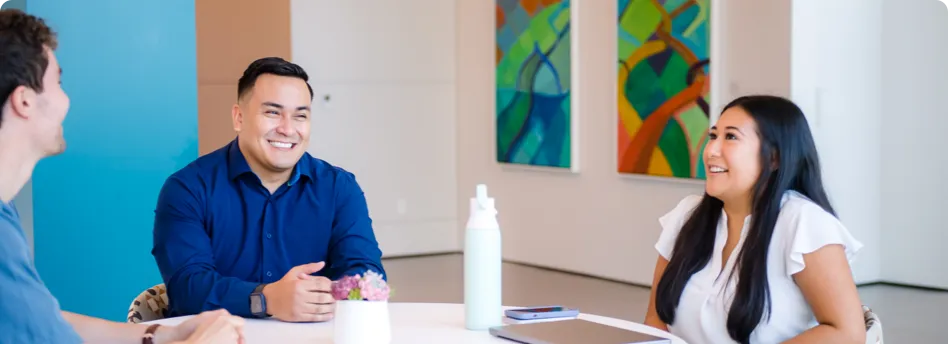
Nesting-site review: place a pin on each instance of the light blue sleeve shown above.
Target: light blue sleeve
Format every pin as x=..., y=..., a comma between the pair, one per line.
x=28, y=312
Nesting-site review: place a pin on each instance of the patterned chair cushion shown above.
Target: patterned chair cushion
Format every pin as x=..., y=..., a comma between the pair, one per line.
x=151, y=304
x=873, y=326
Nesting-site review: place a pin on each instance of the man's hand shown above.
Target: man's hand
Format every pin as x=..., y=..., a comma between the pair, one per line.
x=208, y=327
x=300, y=297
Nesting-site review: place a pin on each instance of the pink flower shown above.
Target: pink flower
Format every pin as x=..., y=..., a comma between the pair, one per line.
x=345, y=285
x=371, y=287
x=374, y=287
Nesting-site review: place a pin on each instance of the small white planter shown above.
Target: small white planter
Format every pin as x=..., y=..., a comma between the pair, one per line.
x=362, y=322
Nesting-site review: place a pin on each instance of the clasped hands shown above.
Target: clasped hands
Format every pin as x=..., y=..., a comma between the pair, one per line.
x=301, y=297
x=297, y=297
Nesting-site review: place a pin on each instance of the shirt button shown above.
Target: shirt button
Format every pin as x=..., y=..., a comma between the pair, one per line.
x=269, y=235
x=269, y=274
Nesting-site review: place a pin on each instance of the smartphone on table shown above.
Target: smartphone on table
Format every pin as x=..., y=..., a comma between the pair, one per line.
x=545, y=312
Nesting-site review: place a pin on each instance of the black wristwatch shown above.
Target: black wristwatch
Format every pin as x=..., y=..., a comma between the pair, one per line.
x=258, y=302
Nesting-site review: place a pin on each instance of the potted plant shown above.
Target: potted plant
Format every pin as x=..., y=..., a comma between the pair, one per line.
x=361, y=310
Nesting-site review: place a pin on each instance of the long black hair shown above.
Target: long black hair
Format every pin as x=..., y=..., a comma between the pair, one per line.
x=785, y=138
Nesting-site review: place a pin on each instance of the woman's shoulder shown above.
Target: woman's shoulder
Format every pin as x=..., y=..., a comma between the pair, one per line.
x=681, y=211
x=688, y=203
x=671, y=224
x=796, y=207
x=804, y=226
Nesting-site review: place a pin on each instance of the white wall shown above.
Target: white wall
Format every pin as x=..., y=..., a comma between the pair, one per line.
x=874, y=113
x=837, y=81
x=390, y=76
x=914, y=87
x=596, y=222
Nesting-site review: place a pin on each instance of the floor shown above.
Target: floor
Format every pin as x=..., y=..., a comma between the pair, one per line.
x=908, y=315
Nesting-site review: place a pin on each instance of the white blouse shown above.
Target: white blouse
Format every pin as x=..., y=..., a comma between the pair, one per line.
x=802, y=227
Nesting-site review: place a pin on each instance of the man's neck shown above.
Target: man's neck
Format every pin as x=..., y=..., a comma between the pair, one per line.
x=16, y=167
x=272, y=181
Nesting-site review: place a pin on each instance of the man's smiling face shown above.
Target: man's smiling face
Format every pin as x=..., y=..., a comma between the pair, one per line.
x=273, y=122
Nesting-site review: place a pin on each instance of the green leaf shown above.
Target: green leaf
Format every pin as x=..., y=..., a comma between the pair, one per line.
x=355, y=294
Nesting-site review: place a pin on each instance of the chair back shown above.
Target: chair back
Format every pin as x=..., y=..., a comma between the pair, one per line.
x=873, y=326
x=151, y=304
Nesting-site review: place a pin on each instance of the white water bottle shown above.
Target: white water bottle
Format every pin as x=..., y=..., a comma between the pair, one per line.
x=482, y=265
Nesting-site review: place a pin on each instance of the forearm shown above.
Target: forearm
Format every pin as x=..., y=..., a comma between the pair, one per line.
x=185, y=256
x=94, y=330
x=200, y=291
x=357, y=253
x=828, y=334
x=359, y=265
x=655, y=322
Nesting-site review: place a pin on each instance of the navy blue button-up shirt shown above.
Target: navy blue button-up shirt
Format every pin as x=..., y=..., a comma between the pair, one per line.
x=219, y=232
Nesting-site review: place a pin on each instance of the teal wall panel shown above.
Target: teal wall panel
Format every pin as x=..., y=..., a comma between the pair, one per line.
x=129, y=68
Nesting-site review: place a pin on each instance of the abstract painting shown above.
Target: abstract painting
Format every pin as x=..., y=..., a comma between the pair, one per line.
x=534, y=122
x=663, y=87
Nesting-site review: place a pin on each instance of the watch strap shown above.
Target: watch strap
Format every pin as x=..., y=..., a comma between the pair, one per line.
x=149, y=336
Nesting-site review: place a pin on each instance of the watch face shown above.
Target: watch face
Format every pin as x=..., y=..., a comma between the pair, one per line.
x=255, y=306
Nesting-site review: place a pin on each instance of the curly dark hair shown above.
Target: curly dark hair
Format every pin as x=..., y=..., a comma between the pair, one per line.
x=23, y=61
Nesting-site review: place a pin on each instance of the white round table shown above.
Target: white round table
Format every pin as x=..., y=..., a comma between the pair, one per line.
x=411, y=323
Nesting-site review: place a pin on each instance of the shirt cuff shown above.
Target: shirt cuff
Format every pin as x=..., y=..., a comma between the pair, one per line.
x=239, y=302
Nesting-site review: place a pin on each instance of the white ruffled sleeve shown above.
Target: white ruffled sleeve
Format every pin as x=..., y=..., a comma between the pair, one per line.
x=671, y=224
x=811, y=228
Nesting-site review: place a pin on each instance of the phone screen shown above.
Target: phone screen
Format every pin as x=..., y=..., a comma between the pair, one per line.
x=541, y=310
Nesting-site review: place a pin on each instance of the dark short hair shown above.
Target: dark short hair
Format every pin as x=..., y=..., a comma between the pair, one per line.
x=270, y=65
x=23, y=42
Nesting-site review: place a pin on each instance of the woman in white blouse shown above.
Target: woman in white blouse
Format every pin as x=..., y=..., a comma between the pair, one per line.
x=761, y=257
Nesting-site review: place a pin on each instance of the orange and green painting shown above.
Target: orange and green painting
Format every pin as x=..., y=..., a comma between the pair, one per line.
x=533, y=83
x=663, y=87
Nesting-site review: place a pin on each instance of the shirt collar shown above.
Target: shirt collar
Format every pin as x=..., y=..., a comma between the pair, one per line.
x=7, y=208
x=237, y=165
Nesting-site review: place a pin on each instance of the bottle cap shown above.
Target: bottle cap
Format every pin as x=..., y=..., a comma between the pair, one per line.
x=481, y=201
x=481, y=191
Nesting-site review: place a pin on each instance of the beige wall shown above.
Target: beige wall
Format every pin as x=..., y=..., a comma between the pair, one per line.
x=230, y=35
x=596, y=222
x=388, y=68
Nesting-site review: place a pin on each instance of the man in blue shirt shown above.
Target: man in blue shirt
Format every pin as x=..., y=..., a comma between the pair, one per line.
x=246, y=227
x=33, y=106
